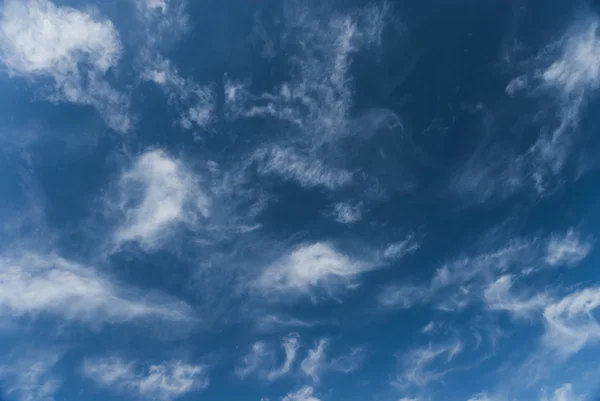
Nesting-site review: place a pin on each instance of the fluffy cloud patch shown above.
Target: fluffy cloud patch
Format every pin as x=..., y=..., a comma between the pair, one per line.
x=398, y=250
x=314, y=363
x=164, y=381
x=75, y=50
x=346, y=213
x=31, y=378
x=570, y=322
x=157, y=194
x=578, y=67
x=261, y=359
x=310, y=268
x=42, y=284
x=305, y=170
x=498, y=296
x=569, y=249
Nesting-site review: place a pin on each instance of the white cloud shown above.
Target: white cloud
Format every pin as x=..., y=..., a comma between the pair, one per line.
x=399, y=249
x=498, y=296
x=570, y=322
x=156, y=195
x=316, y=101
x=290, y=345
x=564, y=393
x=259, y=353
x=31, y=378
x=196, y=102
x=517, y=253
x=164, y=381
x=261, y=359
x=41, y=40
x=346, y=213
x=309, y=268
x=304, y=394
x=481, y=397
x=304, y=169
x=315, y=362
x=275, y=322
x=578, y=67
x=350, y=362
x=33, y=284
x=568, y=250
x=517, y=84
x=426, y=364
x=403, y=295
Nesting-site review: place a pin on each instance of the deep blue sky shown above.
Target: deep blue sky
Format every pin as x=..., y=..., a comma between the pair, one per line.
x=299, y=200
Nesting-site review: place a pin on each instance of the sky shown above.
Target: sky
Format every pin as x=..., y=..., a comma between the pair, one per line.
x=299, y=200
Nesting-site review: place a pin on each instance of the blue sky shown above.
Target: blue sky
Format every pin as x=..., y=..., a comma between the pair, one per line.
x=299, y=200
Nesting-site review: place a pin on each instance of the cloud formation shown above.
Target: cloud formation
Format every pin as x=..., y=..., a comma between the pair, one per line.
x=310, y=268
x=156, y=195
x=32, y=377
x=164, y=381
x=46, y=284
x=40, y=40
x=570, y=322
x=261, y=359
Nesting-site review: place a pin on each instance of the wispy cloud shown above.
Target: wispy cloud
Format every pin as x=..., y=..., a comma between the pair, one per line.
x=568, y=249
x=261, y=359
x=31, y=378
x=305, y=169
x=426, y=364
x=76, y=50
x=156, y=195
x=315, y=362
x=563, y=393
x=315, y=103
x=403, y=295
x=274, y=322
x=304, y=394
x=398, y=250
x=165, y=381
x=347, y=213
x=499, y=296
x=350, y=362
x=309, y=269
x=34, y=284
x=570, y=322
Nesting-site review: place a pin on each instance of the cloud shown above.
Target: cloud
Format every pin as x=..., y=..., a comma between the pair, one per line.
x=313, y=365
x=309, y=268
x=399, y=249
x=156, y=195
x=403, y=295
x=425, y=364
x=315, y=103
x=41, y=40
x=254, y=360
x=261, y=359
x=570, y=322
x=577, y=68
x=31, y=378
x=498, y=297
x=563, y=393
x=304, y=169
x=290, y=345
x=304, y=394
x=275, y=322
x=196, y=101
x=34, y=284
x=346, y=213
x=164, y=381
x=350, y=362
x=569, y=249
